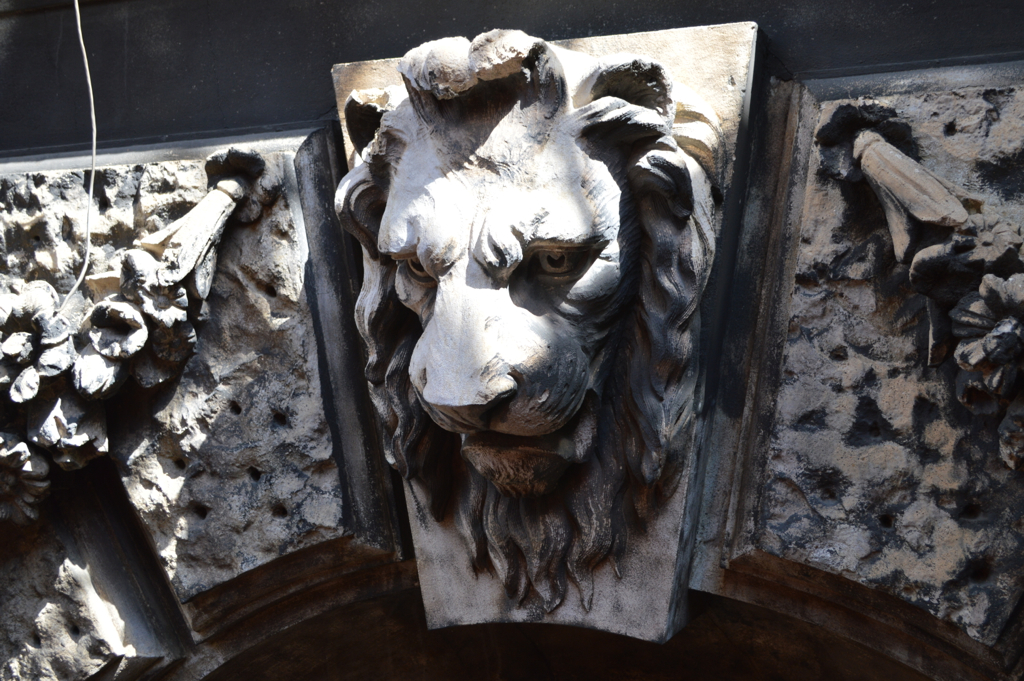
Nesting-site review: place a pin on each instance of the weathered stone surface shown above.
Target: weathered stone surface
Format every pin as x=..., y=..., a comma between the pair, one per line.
x=50, y=334
x=235, y=467
x=876, y=471
x=230, y=464
x=23, y=483
x=56, y=626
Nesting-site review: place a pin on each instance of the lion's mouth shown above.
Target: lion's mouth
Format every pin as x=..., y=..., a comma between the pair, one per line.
x=524, y=466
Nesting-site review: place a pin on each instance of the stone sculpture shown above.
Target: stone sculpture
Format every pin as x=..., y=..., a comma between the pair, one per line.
x=965, y=258
x=23, y=482
x=538, y=227
x=876, y=474
x=61, y=360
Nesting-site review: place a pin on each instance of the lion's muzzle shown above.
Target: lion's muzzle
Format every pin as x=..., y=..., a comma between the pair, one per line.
x=510, y=380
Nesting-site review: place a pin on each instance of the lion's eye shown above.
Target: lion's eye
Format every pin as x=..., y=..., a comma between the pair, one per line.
x=417, y=271
x=561, y=262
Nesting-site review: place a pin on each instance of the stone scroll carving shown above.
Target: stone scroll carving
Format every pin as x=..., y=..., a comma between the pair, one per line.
x=135, y=318
x=538, y=227
x=963, y=256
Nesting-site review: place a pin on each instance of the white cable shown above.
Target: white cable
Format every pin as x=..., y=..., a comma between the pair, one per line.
x=92, y=171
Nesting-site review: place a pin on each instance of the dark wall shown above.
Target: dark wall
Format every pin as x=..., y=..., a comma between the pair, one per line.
x=167, y=69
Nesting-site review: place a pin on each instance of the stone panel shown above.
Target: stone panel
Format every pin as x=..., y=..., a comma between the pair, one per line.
x=540, y=223
x=232, y=455
x=876, y=469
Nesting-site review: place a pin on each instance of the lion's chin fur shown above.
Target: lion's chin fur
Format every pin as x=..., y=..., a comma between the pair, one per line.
x=531, y=466
x=519, y=466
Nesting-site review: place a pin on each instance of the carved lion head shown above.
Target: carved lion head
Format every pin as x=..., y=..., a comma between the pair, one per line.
x=537, y=227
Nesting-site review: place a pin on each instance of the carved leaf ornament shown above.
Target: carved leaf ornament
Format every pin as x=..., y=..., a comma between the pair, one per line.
x=973, y=278
x=538, y=227
x=58, y=367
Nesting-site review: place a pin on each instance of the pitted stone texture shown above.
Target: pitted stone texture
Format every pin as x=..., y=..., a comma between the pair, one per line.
x=236, y=468
x=876, y=472
x=56, y=625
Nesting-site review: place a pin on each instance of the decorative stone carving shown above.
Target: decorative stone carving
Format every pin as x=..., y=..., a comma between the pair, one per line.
x=198, y=319
x=538, y=228
x=973, y=276
x=233, y=464
x=62, y=360
x=875, y=478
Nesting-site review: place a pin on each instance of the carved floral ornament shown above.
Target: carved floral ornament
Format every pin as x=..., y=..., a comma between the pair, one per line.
x=964, y=257
x=58, y=365
x=537, y=227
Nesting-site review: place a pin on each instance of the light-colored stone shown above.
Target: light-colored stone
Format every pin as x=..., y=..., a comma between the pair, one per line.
x=497, y=259
x=18, y=347
x=26, y=386
x=236, y=467
x=118, y=330
x=72, y=428
x=246, y=422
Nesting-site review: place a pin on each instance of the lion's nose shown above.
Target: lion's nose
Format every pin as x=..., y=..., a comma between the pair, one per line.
x=466, y=411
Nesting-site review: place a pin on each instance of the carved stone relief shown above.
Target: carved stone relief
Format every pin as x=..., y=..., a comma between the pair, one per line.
x=193, y=361
x=193, y=450
x=66, y=615
x=970, y=276
x=234, y=467
x=538, y=229
x=892, y=456
x=63, y=355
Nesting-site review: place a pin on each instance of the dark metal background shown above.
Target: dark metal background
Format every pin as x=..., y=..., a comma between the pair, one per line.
x=172, y=69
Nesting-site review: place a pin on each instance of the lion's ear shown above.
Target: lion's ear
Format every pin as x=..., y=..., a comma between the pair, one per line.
x=364, y=114
x=360, y=204
x=625, y=102
x=362, y=195
x=639, y=81
x=633, y=79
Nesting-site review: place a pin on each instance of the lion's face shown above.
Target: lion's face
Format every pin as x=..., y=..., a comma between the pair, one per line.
x=536, y=238
x=513, y=276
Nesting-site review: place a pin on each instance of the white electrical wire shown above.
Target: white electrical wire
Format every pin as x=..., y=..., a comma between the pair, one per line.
x=92, y=170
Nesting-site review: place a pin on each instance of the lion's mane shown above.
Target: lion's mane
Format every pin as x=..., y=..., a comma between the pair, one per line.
x=645, y=412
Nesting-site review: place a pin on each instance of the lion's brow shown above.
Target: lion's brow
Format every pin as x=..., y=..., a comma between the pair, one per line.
x=526, y=228
x=497, y=244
